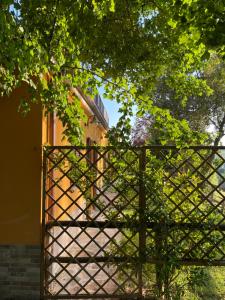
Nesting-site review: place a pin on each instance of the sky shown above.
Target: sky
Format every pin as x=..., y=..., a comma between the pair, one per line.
x=112, y=108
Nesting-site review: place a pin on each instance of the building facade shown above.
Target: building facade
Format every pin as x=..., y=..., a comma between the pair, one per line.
x=21, y=185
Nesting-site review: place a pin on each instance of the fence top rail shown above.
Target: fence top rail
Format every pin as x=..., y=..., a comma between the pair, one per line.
x=157, y=147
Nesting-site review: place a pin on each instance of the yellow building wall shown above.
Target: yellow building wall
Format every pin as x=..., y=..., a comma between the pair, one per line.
x=91, y=130
x=20, y=175
x=21, y=167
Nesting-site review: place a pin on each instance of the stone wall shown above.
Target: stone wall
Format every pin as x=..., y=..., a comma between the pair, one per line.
x=19, y=272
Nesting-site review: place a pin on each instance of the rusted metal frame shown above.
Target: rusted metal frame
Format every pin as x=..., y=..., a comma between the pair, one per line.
x=208, y=176
x=72, y=241
x=168, y=160
x=177, y=242
x=183, y=238
x=197, y=188
x=64, y=193
x=55, y=164
x=64, y=230
x=152, y=147
x=111, y=165
x=94, y=224
x=128, y=167
x=183, y=261
x=73, y=201
x=110, y=239
x=207, y=196
x=128, y=276
x=177, y=207
x=92, y=164
x=130, y=279
x=55, y=240
x=79, y=272
x=110, y=277
x=151, y=198
x=206, y=180
x=83, y=194
x=64, y=174
x=187, y=197
x=186, y=235
x=55, y=202
x=210, y=165
x=92, y=239
x=178, y=187
x=91, y=277
x=54, y=278
x=215, y=246
x=72, y=277
x=99, y=296
x=102, y=192
x=54, y=258
x=197, y=244
x=196, y=206
x=43, y=236
x=206, y=238
x=192, y=203
x=196, y=227
x=121, y=156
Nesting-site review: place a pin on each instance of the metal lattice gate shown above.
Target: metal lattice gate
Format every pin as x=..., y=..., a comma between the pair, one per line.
x=112, y=217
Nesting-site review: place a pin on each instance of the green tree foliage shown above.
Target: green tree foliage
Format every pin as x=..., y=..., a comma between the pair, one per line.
x=123, y=45
x=200, y=111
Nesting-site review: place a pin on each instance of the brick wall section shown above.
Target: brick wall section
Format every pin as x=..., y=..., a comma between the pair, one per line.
x=19, y=272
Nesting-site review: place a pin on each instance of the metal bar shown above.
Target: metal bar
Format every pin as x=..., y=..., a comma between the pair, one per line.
x=91, y=260
x=137, y=225
x=142, y=209
x=164, y=233
x=98, y=296
x=113, y=260
x=95, y=224
x=153, y=147
x=43, y=226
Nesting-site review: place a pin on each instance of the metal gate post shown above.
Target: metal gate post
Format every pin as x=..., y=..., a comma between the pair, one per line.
x=142, y=219
x=43, y=234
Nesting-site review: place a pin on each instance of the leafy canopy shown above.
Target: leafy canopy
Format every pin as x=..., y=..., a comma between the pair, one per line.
x=124, y=46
